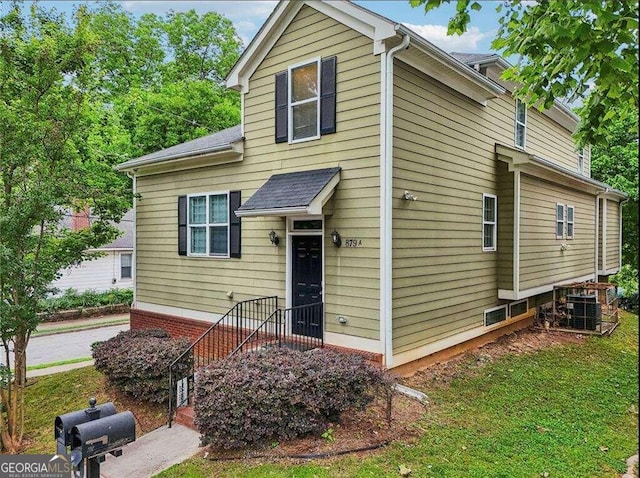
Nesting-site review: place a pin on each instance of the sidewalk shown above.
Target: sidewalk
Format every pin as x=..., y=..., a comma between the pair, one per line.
x=51, y=328
x=152, y=453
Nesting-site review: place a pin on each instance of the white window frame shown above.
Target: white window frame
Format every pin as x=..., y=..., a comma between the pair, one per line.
x=520, y=124
x=506, y=315
x=516, y=303
x=560, y=221
x=581, y=161
x=494, y=223
x=571, y=222
x=291, y=105
x=207, y=225
x=131, y=266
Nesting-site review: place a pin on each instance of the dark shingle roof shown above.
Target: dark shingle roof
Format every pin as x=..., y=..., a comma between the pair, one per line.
x=473, y=58
x=206, y=144
x=290, y=189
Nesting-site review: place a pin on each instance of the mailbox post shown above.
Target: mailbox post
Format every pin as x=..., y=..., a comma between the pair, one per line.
x=92, y=433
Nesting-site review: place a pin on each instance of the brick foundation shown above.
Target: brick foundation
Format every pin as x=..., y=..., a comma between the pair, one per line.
x=226, y=338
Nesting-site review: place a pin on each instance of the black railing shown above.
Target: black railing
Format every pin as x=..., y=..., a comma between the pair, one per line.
x=298, y=328
x=222, y=338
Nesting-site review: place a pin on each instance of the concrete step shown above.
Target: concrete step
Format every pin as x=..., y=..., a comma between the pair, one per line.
x=185, y=416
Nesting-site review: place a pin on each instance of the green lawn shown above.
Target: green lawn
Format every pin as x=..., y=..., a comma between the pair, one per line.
x=567, y=411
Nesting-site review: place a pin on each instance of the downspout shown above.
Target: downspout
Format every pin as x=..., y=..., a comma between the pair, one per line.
x=386, y=203
x=135, y=249
x=597, y=223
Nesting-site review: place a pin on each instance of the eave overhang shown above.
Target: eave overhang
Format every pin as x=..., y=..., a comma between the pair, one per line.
x=222, y=154
x=545, y=169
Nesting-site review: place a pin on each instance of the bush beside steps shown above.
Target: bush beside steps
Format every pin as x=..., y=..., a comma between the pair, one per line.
x=281, y=394
x=137, y=362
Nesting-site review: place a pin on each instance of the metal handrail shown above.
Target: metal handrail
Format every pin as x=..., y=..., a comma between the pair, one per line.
x=243, y=316
x=280, y=329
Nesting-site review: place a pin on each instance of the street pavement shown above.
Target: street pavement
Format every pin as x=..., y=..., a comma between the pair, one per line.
x=53, y=346
x=69, y=345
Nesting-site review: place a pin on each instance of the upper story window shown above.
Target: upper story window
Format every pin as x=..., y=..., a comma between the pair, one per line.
x=581, y=161
x=306, y=101
x=489, y=222
x=570, y=222
x=521, y=124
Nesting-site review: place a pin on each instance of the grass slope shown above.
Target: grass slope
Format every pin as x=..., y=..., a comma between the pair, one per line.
x=566, y=411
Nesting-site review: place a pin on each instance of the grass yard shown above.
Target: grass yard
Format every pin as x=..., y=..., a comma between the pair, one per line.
x=564, y=411
x=53, y=395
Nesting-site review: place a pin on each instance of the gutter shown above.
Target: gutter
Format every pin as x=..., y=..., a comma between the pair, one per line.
x=170, y=157
x=386, y=204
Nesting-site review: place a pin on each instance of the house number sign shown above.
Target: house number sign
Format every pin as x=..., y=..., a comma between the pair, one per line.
x=353, y=242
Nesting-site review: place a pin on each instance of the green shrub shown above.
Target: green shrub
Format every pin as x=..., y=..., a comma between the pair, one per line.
x=137, y=362
x=71, y=299
x=280, y=394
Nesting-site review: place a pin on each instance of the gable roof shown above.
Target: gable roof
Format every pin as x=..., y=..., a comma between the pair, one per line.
x=220, y=141
x=301, y=192
x=383, y=32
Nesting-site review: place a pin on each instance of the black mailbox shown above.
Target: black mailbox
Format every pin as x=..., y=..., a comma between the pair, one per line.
x=64, y=423
x=105, y=435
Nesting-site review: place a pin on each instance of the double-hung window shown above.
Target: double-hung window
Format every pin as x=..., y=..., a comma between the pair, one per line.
x=125, y=265
x=304, y=101
x=208, y=224
x=564, y=221
x=521, y=124
x=559, y=221
x=489, y=222
x=569, y=222
x=581, y=161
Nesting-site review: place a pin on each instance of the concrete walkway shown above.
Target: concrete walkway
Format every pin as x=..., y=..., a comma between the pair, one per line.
x=152, y=453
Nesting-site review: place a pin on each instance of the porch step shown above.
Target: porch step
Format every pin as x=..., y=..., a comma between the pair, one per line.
x=185, y=416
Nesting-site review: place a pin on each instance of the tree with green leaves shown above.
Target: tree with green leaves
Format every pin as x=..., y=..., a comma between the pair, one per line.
x=47, y=166
x=569, y=50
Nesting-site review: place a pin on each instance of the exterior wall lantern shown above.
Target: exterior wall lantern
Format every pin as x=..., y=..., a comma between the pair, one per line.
x=273, y=237
x=407, y=196
x=336, y=239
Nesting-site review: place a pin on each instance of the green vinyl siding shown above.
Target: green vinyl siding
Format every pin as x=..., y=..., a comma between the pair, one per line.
x=351, y=274
x=613, y=235
x=542, y=262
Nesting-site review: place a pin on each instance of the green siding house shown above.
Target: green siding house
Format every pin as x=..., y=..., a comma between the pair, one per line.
x=402, y=187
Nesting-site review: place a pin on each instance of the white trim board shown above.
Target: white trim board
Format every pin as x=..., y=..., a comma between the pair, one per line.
x=506, y=294
x=180, y=312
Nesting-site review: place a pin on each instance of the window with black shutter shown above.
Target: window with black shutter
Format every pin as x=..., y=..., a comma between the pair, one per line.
x=305, y=101
x=208, y=226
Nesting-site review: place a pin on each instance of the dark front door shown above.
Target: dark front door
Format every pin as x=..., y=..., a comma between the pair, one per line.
x=307, y=285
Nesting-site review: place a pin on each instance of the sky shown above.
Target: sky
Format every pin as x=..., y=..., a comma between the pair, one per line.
x=248, y=16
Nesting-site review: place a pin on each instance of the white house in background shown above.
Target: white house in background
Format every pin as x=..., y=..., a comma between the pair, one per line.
x=110, y=271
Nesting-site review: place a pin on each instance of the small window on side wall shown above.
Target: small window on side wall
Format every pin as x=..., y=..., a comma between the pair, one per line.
x=570, y=222
x=559, y=221
x=581, y=161
x=489, y=222
x=521, y=124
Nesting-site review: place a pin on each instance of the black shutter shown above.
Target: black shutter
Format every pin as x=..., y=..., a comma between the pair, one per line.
x=234, y=224
x=282, y=124
x=328, y=95
x=182, y=225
